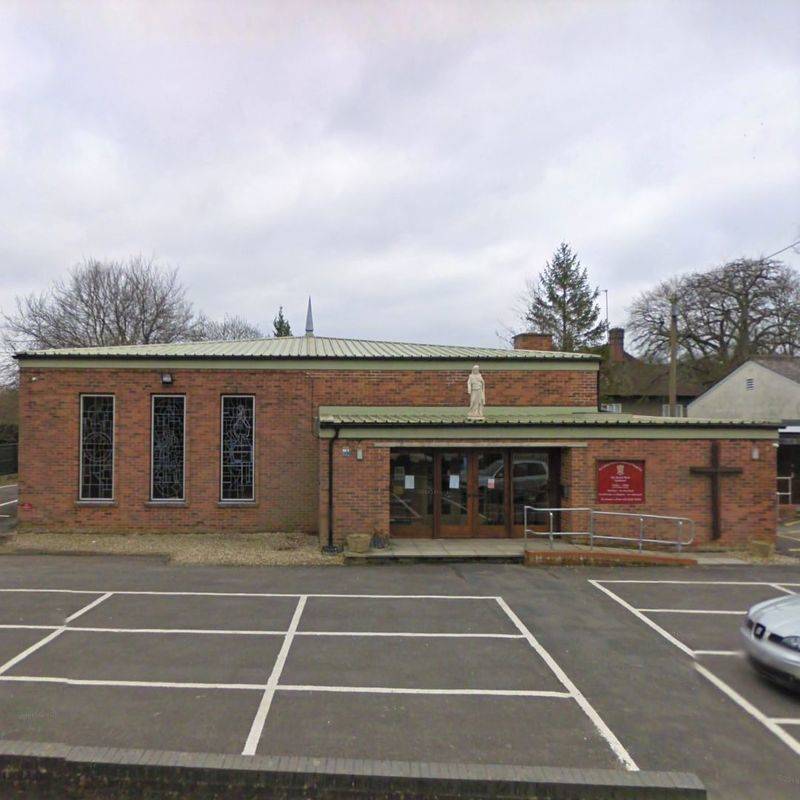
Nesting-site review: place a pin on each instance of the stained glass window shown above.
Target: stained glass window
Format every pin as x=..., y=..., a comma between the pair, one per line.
x=238, y=420
x=167, y=448
x=97, y=447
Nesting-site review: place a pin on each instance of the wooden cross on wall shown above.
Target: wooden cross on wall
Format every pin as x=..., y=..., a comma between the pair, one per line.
x=715, y=472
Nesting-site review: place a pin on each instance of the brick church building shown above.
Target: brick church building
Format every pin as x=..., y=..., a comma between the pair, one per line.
x=339, y=436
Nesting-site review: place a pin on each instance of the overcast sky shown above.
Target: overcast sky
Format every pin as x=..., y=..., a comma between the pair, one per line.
x=407, y=163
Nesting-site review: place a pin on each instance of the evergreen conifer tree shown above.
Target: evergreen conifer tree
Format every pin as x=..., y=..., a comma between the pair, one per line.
x=562, y=303
x=280, y=325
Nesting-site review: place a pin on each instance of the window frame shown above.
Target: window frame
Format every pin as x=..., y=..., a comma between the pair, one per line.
x=113, y=497
x=235, y=500
x=167, y=500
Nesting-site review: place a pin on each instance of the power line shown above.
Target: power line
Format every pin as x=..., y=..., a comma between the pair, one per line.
x=783, y=250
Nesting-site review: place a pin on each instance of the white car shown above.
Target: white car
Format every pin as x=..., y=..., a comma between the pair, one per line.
x=771, y=634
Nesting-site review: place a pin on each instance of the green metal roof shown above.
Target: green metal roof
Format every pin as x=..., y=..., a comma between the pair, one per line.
x=521, y=415
x=301, y=347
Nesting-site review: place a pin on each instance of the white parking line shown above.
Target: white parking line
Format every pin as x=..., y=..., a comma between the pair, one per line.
x=266, y=701
x=49, y=638
x=28, y=627
x=621, y=753
x=136, y=684
x=245, y=632
x=411, y=690
x=687, y=611
x=772, y=724
x=747, y=706
x=413, y=635
x=91, y=605
x=699, y=583
x=786, y=720
x=647, y=621
x=261, y=594
x=198, y=631
x=261, y=687
x=781, y=588
x=718, y=653
x=8, y=503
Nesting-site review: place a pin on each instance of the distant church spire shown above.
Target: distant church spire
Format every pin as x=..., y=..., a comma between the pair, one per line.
x=309, y=320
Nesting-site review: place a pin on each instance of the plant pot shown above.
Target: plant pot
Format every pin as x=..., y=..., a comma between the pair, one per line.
x=358, y=542
x=761, y=549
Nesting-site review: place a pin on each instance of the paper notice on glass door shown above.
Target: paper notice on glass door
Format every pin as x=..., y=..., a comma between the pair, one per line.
x=455, y=481
x=409, y=483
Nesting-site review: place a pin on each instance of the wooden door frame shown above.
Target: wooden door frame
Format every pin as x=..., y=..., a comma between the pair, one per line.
x=472, y=527
x=459, y=532
x=477, y=530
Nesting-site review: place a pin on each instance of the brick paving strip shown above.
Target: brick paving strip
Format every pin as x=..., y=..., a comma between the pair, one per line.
x=51, y=770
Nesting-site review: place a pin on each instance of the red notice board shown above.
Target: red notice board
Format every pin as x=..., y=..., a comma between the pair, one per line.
x=620, y=482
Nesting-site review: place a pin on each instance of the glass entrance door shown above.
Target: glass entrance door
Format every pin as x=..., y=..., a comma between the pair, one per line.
x=491, y=512
x=411, y=503
x=455, y=515
x=472, y=492
x=533, y=478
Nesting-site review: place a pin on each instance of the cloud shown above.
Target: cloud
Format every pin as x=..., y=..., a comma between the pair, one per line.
x=407, y=164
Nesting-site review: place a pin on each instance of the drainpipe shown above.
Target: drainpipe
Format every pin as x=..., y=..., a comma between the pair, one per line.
x=597, y=390
x=331, y=548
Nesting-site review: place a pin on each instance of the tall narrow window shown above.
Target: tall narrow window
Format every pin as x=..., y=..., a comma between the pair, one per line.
x=97, y=447
x=238, y=462
x=167, y=452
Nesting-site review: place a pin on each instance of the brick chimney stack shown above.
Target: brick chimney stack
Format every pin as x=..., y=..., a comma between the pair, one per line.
x=533, y=341
x=616, y=345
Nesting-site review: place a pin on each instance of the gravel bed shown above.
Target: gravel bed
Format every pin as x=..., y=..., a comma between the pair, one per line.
x=245, y=549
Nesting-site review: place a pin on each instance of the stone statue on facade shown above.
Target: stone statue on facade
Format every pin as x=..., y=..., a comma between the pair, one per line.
x=476, y=389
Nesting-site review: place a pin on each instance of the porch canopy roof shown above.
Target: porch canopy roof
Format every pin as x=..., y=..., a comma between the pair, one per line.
x=522, y=422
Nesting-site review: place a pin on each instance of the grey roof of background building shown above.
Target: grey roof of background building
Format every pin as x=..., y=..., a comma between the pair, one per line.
x=788, y=366
x=302, y=347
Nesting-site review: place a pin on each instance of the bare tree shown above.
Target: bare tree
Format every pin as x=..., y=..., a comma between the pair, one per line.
x=231, y=328
x=726, y=315
x=103, y=303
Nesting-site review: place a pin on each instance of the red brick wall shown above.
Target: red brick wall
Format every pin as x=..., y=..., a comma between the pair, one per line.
x=291, y=463
x=360, y=489
x=286, y=451
x=747, y=500
x=287, y=461
x=513, y=388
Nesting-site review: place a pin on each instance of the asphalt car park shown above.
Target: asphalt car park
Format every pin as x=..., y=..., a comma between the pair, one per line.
x=703, y=620
x=493, y=664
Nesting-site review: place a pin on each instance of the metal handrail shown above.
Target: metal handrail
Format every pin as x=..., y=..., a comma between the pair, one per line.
x=551, y=512
x=681, y=523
